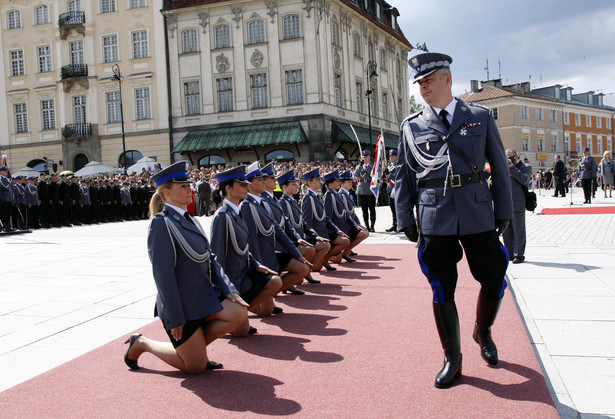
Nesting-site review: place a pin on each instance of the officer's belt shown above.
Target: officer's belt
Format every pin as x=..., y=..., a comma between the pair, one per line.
x=455, y=181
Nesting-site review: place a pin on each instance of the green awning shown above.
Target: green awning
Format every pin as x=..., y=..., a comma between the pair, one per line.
x=343, y=133
x=242, y=137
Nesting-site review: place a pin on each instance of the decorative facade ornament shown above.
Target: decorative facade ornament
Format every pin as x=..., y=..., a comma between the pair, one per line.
x=309, y=5
x=237, y=11
x=222, y=64
x=376, y=37
x=390, y=47
x=172, y=25
x=257, y=58
x=255, y=16
x=337, y=60
x=204, y=16
x=272, y=6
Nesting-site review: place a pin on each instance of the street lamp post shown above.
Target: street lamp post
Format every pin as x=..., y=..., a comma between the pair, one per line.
x=371, y=78
x=117, y=75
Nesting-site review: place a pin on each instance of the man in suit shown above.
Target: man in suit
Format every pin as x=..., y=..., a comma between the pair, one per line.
x=367, y=199
x=559, y=171
x=514, y=236
x=442, y=152
x=587, y=170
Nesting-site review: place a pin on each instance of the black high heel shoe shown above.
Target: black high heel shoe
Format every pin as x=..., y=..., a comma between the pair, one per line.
x=293, y=291
x=348, y=259
x=311, y=280
x=329, y=267
x=133, y=365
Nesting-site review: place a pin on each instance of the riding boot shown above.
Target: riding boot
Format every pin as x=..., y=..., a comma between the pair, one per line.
x=486, y=312
x=447, y=322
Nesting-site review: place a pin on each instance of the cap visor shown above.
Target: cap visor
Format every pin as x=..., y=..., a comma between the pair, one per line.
x=422, y=76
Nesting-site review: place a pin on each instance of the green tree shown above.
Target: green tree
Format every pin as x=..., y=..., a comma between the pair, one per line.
x=414, y=105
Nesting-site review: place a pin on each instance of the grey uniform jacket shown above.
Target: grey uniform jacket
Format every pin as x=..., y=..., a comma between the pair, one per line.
x=84, y=195
x=280, y=219
x=336, y=211
x=227, y=231
x=292, y=211
x=363, y=174
x=263, y=245
x=520, y=175
x=588, y=167
x=315, y=216
x=20, y=194
x=32, y=195
x=182, y=261
x=6, y=189
x=471, y=208
x=349, y=206
x=125, y=196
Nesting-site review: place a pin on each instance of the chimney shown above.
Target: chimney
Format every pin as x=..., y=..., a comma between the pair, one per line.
x=474, y=86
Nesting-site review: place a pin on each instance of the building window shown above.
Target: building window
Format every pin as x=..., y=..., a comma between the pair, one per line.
x=334, y=34
x=225, y=94
x=189, y=41
x=566, y=118
x=337, y=87
x=17, y=63
x=553, y=116
x=496, y=114
x=370, y=51
x=383, y=61
x=294, y=87
x=590, y=143
x=14, y=19
x=566, y=144
x=525, y=114
x=539, y=116
x=400, y=109
x=222, y=36
x=359, y=94
x=139, y=45
x=41, y=15
x=76, y=52
x=110, y=49
x=554, y=144
x=48, y=114
x=385, y=107
x=291, y=27
x=258, y=85
x=608, y=123
x=74, y=5
x=114, y=107
x=373, y=104
x=599, y=145
x=107, y=6
x=598, y=122
x=21, y=117
x=356, y=45
x=136, y=4
x=143, y=103
x=609, y=144
x=579, y=148
x=79, y=110
x=256, y=32
x=577, y=119
x=525, y=144
x=588, y=120
x=44, y=59
x=541, y=143
x=192, y=93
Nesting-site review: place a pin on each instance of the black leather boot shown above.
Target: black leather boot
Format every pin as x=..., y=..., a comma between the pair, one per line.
x=447, y=321
x=486, y=312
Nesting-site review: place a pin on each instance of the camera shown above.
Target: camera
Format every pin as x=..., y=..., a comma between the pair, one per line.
x=511, y=160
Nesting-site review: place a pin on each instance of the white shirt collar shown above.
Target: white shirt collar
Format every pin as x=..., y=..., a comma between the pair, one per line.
x=181, y=211
x=231, y=205
x=256, y=198
x=450, y=109
x=269, y=194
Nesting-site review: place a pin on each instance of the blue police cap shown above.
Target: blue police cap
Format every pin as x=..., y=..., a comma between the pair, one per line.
x=347, y=175
x=392, y=152
x=288, y=176
x=267, y=170
x=3, y=168
x=428, y=63
x=586, y=149
x=366, y=153
x=254, y=171
x=238, y=174
x=314, y=173
x=331, y=176
x=32, y=178
x=176, y=173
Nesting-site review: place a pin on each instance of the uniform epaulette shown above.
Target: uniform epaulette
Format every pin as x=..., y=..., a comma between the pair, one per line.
x=476, y=105
x=412, y=116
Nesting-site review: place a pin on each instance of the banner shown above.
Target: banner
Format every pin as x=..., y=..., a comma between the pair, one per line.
x=379, y=165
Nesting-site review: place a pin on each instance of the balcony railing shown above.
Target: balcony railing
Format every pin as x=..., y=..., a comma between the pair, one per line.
x=71, y=19
x=74, y=70
x=76, y=130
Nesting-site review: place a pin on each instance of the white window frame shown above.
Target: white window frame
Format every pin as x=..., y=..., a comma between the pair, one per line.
x=609, y=144
x=222, y=36
x=21, y=117
x=589, y=142
x=224, y=89
x=108, y=6
x=294, y=87
x=578, y=143
x=113, y=105
x=17, y=62
x=359, y=96
x=608, y=123
x=48, y=115
x=525, y=112
x=76, y=52
x=41, y=14
x=256, y=31
x=13, y=19
x=588, y=120
x=258, y=91
x=139, y=44
x=599, y=143
x=382, y=58
x=137, y=4
x=291, y=27
x=356, y=45
x=337, y=89
x=335, y=33
x=553, y=115
x=143, y=108
x=385, y=106
x=192, y=97
x=566, y=118
x=577, y=119
x=190, y=41
x=566, y=143
x=110, y=48
x=598, y=122
x=554, y=140
x=539, y=115
x=80, y=111
x=43, y=53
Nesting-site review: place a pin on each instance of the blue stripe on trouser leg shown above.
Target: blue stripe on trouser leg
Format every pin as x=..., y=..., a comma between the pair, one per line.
x=436, y=285
x=504, y=283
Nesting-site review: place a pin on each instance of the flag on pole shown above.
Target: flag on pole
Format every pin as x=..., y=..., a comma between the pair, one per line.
x=379, y=165
x=4, y=158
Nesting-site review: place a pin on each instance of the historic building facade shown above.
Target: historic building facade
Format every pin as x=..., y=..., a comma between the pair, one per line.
x=284, y=79
x=62, y=103
x=540, y=123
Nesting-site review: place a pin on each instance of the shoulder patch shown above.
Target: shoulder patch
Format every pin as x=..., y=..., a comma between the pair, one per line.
x=412, y=116
x=476, y=105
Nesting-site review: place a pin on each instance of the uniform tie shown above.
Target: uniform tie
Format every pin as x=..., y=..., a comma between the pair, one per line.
x=187, y=216
x=444, y=119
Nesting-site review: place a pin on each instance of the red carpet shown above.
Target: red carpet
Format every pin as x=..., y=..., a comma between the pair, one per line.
x=361, y=344
x=578, y=210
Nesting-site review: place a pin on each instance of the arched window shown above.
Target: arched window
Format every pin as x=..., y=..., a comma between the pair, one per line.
x=190, y=41
x=334, y=34
x=131, y=157
x=79, y=161
x=280, y=155
x=256, y=32
x=13, y=19
x=38, y=164
x=291, y=27
x=41, y=15
x=211, y=160
x=222, y=35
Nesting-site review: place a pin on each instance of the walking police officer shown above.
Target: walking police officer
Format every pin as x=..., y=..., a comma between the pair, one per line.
x=367, y=199
x=442, y=152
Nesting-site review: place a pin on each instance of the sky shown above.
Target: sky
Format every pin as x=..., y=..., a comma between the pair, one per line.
x=545, y=42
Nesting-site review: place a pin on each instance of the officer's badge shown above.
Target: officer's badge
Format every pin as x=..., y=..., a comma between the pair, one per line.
x=463, y=132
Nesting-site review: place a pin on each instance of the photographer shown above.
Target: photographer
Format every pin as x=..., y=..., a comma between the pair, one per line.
x=587, y=171
x=514, y=236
